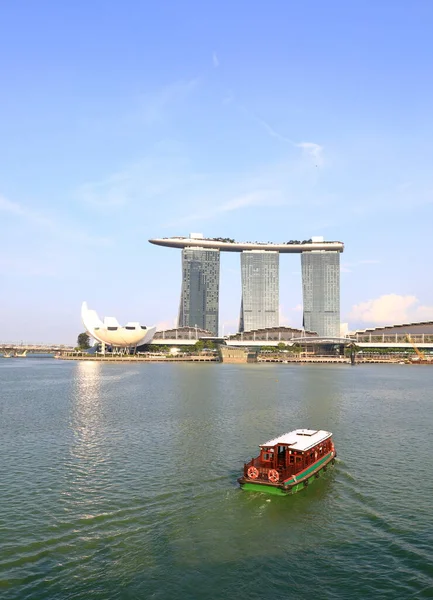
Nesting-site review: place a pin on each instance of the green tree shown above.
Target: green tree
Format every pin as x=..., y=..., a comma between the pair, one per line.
x=83, y=341
x=281, y=346
x=199, y=345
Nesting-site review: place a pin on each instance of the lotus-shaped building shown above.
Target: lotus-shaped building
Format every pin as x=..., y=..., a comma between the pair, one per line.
x=110, y=332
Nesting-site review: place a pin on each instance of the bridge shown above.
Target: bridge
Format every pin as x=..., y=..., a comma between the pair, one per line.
x=8, y=349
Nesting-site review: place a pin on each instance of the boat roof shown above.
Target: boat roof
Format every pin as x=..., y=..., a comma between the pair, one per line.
x=300, y=439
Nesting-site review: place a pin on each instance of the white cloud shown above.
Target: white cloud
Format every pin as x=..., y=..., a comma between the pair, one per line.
x=164, y=325
x=390, y=309
x=313, y=151
x=344, y=329
x=216, y=62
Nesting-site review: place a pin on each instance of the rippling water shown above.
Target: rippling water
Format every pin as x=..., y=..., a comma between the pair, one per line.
x=119, y=481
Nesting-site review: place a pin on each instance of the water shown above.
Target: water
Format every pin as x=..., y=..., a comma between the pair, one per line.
x=119, y=482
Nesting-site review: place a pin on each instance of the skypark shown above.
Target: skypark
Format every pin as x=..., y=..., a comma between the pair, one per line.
x=199, y=300
x=229, y=245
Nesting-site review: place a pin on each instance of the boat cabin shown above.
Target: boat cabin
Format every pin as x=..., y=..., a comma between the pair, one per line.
x=288, y=455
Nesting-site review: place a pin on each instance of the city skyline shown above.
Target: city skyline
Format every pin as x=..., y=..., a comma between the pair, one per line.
x=310, y=118
x=260, y=286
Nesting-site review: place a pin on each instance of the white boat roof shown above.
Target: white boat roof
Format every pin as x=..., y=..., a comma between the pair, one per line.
x=300, y=439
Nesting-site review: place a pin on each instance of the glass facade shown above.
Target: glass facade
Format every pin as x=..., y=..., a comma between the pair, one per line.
x=260, y=290
x=321, y=292
x=200, y=289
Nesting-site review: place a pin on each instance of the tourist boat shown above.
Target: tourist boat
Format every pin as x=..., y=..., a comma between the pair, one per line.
x=289, y=463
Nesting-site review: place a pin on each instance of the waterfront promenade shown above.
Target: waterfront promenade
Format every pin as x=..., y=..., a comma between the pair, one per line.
x=138, y=358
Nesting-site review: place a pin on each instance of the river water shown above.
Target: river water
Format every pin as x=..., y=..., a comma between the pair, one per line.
x=118, y=481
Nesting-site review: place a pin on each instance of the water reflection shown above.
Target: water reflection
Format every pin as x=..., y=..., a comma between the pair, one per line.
x=86, y=470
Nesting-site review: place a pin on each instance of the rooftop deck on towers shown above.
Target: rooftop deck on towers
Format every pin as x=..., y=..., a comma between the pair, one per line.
x=226, y=245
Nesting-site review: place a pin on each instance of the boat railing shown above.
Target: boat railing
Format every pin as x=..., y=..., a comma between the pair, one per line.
x=284, y=471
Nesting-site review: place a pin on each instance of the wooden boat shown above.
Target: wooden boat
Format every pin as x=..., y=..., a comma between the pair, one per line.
x=289, y=463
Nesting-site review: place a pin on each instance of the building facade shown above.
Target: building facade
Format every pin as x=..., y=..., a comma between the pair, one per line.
x=260, y=290
x=321, y=292
x=199, y=300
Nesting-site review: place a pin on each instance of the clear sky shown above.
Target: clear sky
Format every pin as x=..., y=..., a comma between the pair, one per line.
x=268, y=121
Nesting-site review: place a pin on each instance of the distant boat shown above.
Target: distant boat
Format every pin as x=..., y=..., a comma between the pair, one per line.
x=289, y=463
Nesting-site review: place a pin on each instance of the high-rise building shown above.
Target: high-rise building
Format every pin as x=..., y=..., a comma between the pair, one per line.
x=260, y=281
x=200, y=288
x=260, y=289
x=321, y=292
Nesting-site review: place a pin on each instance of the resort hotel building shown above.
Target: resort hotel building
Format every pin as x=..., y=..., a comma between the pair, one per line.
x=260, y=290
x=199, y=302
x=321, y=292
x=199, y=298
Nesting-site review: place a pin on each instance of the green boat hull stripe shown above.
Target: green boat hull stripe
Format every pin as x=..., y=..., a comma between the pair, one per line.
x=291, y=486
x=307, y=472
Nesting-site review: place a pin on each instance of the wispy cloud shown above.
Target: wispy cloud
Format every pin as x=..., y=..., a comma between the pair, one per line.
x=215, y=61
x=54, y=227
x=310, y=149
x=154, y=107
x=273, y=133
x=252, y=199
x=143, y=180
x=18, y=210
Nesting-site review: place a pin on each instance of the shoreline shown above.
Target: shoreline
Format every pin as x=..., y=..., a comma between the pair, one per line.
x=214, y=359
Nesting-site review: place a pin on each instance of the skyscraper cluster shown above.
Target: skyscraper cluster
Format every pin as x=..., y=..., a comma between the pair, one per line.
x=199, y=303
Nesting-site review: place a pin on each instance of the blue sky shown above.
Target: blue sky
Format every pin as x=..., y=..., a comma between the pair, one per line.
x=123, y=121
